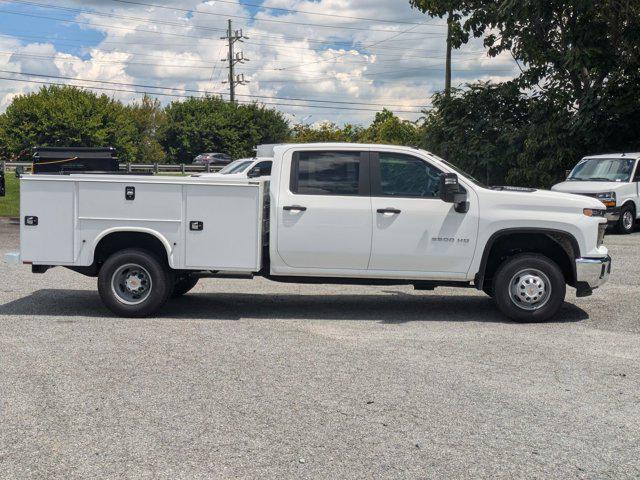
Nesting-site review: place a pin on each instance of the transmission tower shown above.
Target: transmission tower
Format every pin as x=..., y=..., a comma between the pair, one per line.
x=234, y=58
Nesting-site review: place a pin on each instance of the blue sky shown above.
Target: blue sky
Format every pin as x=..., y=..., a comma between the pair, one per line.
x=337, y=60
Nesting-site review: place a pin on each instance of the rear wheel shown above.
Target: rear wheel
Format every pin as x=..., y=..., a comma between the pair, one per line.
x=627, y=220
x=134, y=283
x=529, y=288
x=183, y=285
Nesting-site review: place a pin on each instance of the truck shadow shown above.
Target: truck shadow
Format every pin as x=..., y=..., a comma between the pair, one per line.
x=392, y=307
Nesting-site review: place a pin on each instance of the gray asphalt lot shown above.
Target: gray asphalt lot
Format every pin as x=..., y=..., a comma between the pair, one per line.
x=254, y=379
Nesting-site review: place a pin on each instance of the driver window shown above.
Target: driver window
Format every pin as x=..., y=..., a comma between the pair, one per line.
x=406, y=176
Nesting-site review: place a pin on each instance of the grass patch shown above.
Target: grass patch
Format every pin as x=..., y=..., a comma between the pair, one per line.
x=10, y=204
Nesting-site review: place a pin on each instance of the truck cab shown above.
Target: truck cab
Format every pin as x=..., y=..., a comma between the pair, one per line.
x=335, y=213
x=614, y=179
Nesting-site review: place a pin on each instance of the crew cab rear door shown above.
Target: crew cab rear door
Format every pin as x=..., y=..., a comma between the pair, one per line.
x=324, y=214
x=413, y=229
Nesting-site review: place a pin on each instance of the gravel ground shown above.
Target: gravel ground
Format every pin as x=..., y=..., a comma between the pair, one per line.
x=254, y=379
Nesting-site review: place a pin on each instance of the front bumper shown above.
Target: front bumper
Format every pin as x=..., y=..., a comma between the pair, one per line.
x=613, y=214
x=592, y=272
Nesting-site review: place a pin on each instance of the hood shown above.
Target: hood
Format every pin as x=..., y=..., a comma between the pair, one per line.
x=543, y=200
x=586, y=187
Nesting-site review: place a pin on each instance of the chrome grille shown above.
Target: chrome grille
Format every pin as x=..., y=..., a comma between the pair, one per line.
x=601, y=230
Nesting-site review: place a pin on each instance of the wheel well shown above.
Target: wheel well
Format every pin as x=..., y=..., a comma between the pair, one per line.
x=558, y=247
x=631, y=204
x=117, y=241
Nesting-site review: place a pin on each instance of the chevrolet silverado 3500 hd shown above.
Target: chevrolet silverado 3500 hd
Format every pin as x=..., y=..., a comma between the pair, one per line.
x=331, y=213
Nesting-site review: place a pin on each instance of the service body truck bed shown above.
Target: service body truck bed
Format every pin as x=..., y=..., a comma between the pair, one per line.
x=203, y=224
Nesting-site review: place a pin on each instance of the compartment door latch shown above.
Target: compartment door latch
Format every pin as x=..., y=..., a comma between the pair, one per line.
x=130, y=193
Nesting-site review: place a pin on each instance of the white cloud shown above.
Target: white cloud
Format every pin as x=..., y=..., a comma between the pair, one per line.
x=163, y=47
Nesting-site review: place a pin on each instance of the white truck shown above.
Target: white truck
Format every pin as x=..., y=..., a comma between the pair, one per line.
x=614, y=179
x=331, y=213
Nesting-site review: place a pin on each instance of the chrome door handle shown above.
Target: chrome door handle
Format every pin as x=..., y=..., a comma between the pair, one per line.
x=294, y=208
x=395, y=211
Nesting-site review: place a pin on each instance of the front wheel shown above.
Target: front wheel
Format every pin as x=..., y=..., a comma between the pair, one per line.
x=627, y=220
x=134, y=283
x=529, y=288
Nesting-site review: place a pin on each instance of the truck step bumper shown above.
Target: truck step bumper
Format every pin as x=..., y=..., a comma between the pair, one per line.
x=591, y=273
x=12, y=258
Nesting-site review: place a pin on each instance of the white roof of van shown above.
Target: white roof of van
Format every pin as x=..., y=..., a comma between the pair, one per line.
x=634, y=155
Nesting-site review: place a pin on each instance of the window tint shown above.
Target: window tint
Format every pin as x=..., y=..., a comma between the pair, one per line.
x=265, y=168
x=407, y=176
x=326, y=173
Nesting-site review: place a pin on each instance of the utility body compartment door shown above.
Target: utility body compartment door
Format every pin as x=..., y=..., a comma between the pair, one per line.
x=223, y=227
x=48, y=239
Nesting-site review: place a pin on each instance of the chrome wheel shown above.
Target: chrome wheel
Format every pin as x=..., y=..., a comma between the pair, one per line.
x=131, y=284
x=627, y=220
x=530, y=289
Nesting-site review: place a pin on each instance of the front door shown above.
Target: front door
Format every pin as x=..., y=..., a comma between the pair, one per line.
x=324, y=217
x=413, y=229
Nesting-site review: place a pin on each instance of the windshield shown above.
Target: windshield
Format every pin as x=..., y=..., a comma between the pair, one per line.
x=602, y=170
x=235, y=167
x=461, y=172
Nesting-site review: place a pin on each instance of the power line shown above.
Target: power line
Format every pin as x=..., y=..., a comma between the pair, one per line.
x=343, y=54
x=289, y=10
x=187, y=90
x=282, y=46
x=33, y=15
x=191, y=96
x=113, y=15
x=207, y=67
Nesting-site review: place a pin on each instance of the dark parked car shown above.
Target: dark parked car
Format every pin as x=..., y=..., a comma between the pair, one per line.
x=212, y=159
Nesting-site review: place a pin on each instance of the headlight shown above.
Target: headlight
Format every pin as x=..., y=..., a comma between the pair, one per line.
x=608, y=198
x=594, y=212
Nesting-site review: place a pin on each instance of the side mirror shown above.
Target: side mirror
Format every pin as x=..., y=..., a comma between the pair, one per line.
x=450, y=192
x=254, y=172
x=567, y=173
x=19, y=171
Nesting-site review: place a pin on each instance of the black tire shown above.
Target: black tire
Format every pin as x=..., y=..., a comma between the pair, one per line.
x=129, y=262
x=183, y=285
x=488, y=289
x=623, y=226
x=537, y=270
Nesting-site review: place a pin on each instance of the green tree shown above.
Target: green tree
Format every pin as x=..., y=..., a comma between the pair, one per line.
x=325, y=132
x=580, y=73
x=210, y=124
x=388, y=128
x=66, y=116
x=149, y=120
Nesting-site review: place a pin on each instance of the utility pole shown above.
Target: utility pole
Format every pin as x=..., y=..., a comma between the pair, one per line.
x=234, y=58
x=447, y=80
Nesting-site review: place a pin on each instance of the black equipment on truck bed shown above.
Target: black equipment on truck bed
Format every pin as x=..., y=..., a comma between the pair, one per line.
x=74, y=160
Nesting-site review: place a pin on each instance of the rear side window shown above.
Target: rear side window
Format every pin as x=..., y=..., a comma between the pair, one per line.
x=406, y=176
x=329, y=173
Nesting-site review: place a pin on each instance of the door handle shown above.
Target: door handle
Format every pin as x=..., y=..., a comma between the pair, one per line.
x=294, y=208
x=395, y=211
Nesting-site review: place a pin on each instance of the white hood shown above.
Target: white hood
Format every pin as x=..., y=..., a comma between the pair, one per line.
x=586, y=187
